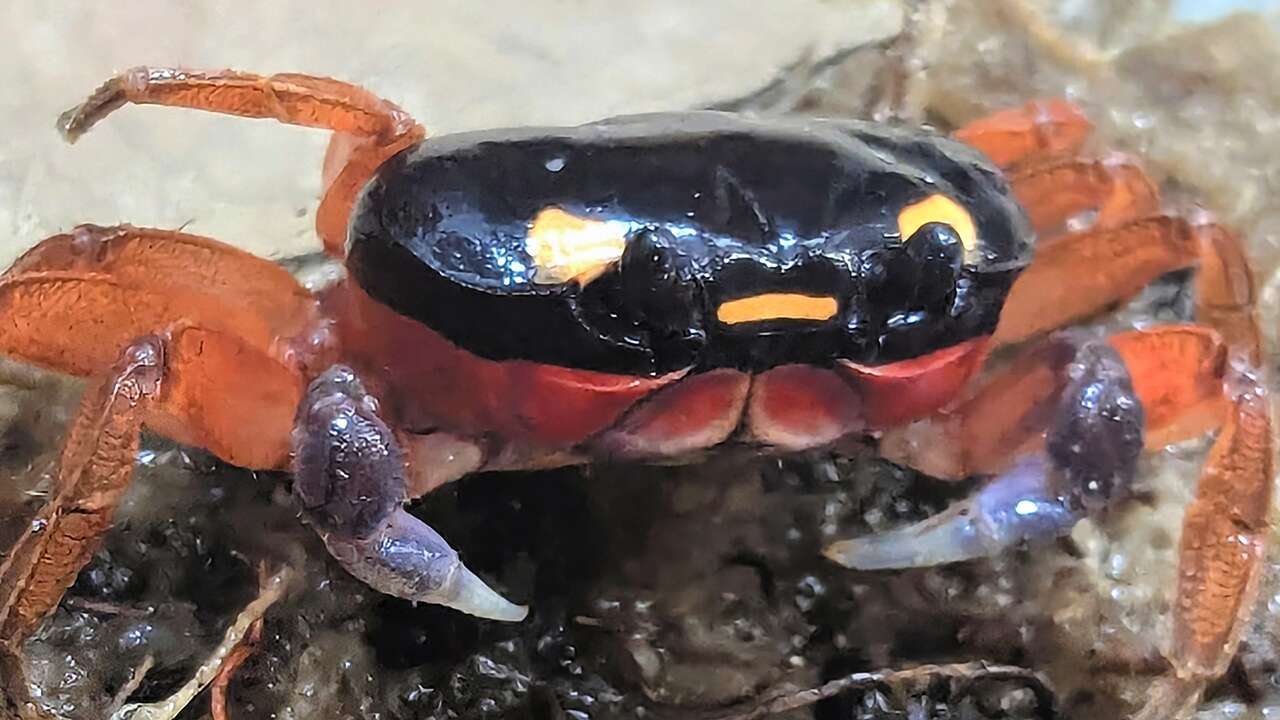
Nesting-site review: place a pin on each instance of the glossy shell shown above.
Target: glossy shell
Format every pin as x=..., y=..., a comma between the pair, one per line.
x=731, y=207
x=637, y=360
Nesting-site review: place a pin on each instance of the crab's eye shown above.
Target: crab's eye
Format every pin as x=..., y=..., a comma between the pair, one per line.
x=937, y=252
x=654, y=284
x=938, y=209
x=567, y=248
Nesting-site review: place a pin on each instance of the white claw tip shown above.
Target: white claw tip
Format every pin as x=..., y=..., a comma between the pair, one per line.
x=839, y=553
x=471, y=595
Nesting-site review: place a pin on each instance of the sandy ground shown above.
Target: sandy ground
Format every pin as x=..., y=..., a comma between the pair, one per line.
x=667, y=592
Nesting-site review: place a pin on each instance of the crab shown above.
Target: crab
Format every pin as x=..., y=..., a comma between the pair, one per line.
x=650, y=288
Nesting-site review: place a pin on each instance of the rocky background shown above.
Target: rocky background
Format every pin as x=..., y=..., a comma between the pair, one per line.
x=693, y=592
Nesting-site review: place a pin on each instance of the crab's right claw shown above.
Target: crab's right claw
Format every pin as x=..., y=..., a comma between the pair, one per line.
x=1090, y=458
x=1019, y=505
x=350, y=478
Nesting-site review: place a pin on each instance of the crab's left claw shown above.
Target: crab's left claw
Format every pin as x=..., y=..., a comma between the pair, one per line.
x=408, y=559
x=1090, y=457
x=350, y=477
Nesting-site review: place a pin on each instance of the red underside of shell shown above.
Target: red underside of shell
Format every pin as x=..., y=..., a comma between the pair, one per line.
x=427, y=383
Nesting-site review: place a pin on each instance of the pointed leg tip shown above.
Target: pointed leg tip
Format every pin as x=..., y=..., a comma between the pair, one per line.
x=69, y=125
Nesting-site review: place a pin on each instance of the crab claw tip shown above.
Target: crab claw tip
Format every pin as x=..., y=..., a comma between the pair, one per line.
x=473, y=596
x=942, y=539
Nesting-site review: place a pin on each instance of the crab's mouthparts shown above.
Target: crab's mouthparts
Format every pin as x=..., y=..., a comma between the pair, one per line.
x=777, y=306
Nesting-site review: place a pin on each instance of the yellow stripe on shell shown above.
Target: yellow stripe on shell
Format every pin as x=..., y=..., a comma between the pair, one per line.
x=777, y=306
x=939, y=209
x=567, y=248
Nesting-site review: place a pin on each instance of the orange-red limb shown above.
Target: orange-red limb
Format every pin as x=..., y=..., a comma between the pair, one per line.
x=1078, y=275
x=149, y=257
x=1226, y=294
x=197, y=385
x=1224, y=534
x=1036, y=131
x=1177, y=373
x=224, y=391
x=374, y=128
x=93, y=473
x=1114, y=188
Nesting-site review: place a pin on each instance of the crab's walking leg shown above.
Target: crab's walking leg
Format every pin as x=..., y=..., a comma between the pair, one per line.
x=75, y=300
x=167, y=382
x=350, y=476
x=368, y=129
x=1225, y=528
x=149, y=257
x=1036, y=131
x=1080, y=274
x=1115, y=189
x=214, y=377
x=92, y=475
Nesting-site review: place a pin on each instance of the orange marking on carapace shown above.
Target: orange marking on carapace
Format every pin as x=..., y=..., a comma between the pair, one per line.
x=567, y=248
x=938, y=209
x=777, y=306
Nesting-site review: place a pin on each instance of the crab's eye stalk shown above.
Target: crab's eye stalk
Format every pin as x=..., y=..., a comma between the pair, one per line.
x=652, y=300
x=652, y=281
x=936, y=252
x=566, y=248
x=939, y=209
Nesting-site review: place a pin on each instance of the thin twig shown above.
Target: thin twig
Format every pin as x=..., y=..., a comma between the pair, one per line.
x=1075, y=53
x=104, y=608
x=966, y=674
x=273, y=589
x=241, y=652
x=907, y=61
x=130, y=687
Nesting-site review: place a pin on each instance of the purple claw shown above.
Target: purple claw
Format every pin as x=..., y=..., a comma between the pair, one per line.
x=1090, y=457
x=350, y=477
x=1022, y=504
x=407, y=559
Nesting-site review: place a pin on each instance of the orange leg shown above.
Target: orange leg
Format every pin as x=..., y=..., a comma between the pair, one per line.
x=180, y=383
x=97, y=460
x=368, y=129
x=1081, y=274
x=242, y=283
x=93, y=473
x=1055, y=192
x=233, y=398
x=1039, y=130
x=1177, y=372
x=1225, y=528
x=74, y=300
x=1225, y=291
